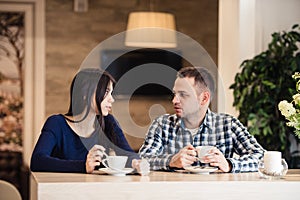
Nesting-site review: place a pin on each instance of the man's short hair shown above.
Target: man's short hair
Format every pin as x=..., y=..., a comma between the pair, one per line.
x=201, y=75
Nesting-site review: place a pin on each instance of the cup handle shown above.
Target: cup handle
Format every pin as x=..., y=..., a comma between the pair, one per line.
x=105, y=159
x=106, y=165
x=103, y=162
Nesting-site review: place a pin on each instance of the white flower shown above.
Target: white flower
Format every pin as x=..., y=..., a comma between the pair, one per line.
x=296, y=98
x=292, y=124
x=296, y=75
x=11, y=118
x=291, y=113
x=298, y=87
x=287, y=109
x=11, y=123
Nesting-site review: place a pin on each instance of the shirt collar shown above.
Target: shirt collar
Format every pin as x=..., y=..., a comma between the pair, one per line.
x=208, y=120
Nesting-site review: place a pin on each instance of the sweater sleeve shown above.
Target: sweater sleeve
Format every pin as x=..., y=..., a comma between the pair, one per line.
x=121, y=145
x=52, y=152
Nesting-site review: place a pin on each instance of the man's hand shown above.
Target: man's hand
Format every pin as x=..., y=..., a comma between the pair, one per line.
x=217, y=159
x=184, y=157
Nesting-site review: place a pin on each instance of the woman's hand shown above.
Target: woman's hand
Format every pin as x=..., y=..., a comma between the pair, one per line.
x=94, y=158
x=142, y=166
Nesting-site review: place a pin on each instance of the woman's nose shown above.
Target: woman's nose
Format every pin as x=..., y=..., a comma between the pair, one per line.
x=112, y=99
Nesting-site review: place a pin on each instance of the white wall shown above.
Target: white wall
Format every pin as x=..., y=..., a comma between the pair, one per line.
x=245, y=28
x=274, y=16
x=227, y=52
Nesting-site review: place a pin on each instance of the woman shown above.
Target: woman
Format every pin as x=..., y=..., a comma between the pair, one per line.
x=77, y=140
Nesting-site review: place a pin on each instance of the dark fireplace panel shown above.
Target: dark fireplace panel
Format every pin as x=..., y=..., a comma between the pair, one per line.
x=118, y=63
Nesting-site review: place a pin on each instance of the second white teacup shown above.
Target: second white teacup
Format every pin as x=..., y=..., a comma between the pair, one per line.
x=115, y=162
x=272, y=161
x=203, y=151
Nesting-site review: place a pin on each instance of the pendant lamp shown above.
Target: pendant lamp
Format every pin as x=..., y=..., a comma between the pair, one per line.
x=151, y=30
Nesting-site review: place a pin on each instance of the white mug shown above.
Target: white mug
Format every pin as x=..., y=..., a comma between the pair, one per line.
x=272, y=161
x=203, y=151
x=115, y=162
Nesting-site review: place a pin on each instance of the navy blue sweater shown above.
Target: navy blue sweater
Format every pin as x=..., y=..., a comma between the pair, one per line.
x=60, y=149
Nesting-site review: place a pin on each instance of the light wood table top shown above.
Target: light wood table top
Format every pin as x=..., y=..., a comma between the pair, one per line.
x=163, y=185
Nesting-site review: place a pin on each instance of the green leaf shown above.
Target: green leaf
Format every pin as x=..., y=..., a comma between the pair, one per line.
x=263, y=82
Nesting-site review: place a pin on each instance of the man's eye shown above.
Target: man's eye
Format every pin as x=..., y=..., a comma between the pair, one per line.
x=180, y=95
x=183, y=95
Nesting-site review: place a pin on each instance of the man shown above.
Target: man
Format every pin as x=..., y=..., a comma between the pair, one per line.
x=171, y=139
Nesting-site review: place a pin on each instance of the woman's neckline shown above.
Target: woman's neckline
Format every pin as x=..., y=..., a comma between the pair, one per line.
x=78, y=128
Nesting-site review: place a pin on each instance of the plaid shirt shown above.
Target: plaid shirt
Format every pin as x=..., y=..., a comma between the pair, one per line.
x=167, y=136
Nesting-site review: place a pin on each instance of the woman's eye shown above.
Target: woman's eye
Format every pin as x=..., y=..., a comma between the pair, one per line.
x=106, y=93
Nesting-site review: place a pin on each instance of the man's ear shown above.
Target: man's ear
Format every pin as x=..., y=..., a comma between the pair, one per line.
x=204, y=98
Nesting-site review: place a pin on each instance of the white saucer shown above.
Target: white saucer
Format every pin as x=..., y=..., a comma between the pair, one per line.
x=115, y=172
x=200, y=170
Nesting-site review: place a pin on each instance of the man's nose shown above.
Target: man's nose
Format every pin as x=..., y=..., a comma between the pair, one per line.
x=175, y=99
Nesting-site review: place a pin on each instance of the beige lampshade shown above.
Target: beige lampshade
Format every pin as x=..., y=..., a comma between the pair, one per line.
x=151, y=29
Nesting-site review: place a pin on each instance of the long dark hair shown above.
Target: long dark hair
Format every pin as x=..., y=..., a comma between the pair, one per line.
x=86, y=82
x=100, y=94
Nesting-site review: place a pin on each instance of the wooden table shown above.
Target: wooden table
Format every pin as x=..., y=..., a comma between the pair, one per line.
x=163, y=185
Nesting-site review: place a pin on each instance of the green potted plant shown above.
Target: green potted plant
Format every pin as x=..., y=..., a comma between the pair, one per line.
x=263, y=82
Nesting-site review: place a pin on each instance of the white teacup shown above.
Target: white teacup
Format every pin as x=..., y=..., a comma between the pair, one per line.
x=203, y=151
x=272, y=161
x=115, y=162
